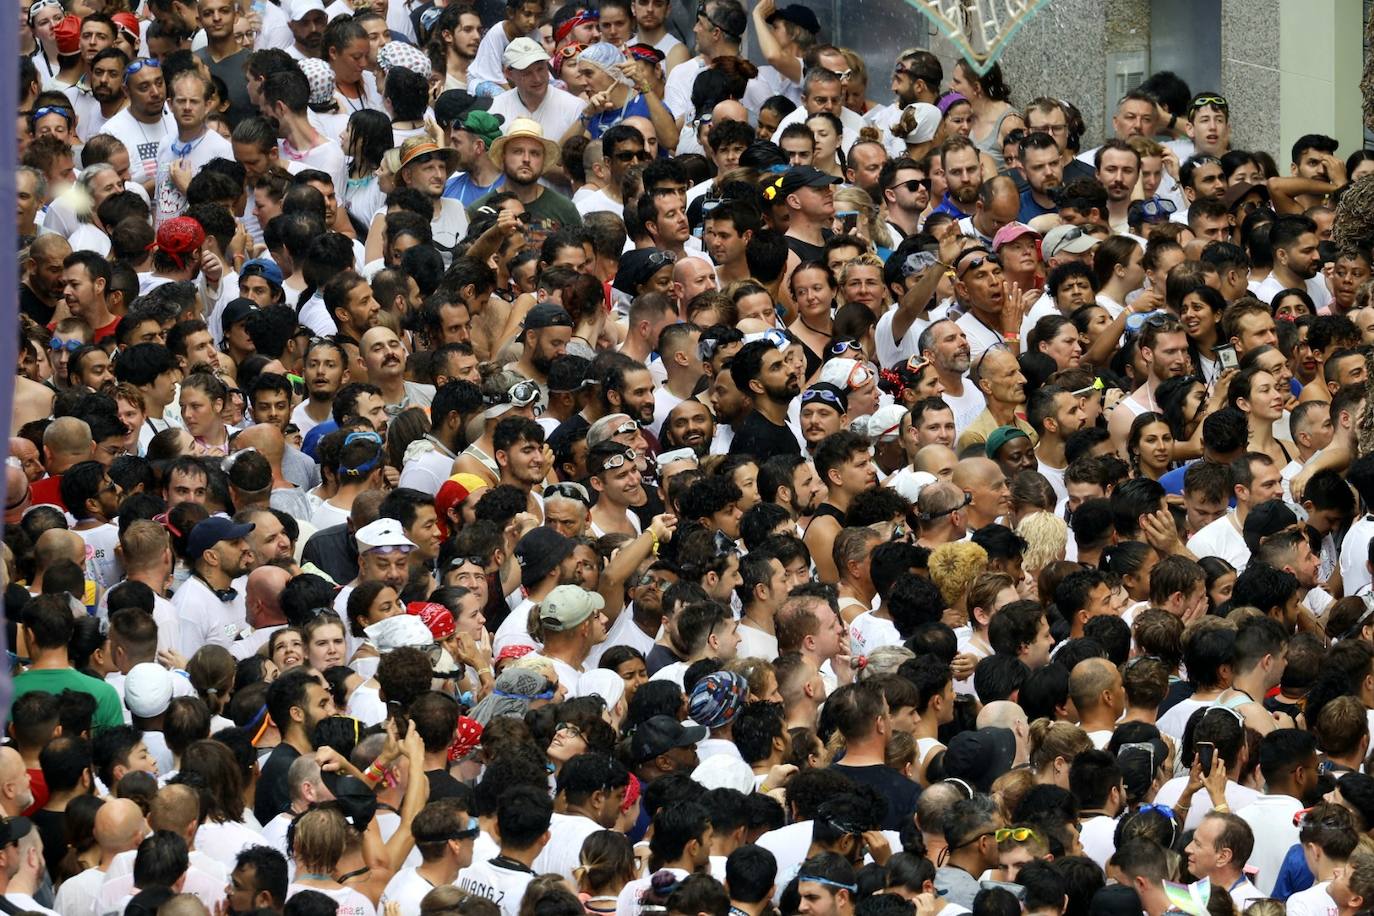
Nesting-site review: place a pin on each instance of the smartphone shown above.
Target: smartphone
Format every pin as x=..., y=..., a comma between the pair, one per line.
x=1206, y=754
x=397, y=714
x=849, y=219
x=1226, y=355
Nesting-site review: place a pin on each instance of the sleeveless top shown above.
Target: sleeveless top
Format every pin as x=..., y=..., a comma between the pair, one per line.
x=487, y=461
x=828, y=511
x=992, y=146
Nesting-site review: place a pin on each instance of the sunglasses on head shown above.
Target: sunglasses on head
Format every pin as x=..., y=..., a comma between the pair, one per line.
x=568, y=490
x=1018, y=834
x=841, y=347
x=962, y=266
x=618, y=461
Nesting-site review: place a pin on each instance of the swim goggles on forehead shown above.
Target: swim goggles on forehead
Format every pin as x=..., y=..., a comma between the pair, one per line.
x=775, y=337
x=522, y=394
x=618, y=461
x=828, y=398
x=140, y=64
x=71, y=346
x=41, y=5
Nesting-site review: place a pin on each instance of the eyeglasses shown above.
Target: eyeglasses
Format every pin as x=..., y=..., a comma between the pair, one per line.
x=247, y=37
x=841, y=347
x=71, y=346
x=572, y=730
x=661, y=259
x=617, y=461
x=140, y=64
x=629, y=155
x=568, y=490
x=1019, y=834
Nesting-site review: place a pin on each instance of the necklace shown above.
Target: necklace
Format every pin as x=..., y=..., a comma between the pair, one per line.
x=825, y=334
x=349, y=102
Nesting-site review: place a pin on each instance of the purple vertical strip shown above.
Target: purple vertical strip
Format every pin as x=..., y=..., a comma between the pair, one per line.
x=9, y=279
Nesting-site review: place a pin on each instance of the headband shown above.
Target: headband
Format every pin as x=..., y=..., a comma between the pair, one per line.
x=582, y=18
x=838, y=885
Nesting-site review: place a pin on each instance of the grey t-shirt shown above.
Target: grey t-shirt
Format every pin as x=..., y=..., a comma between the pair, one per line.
x=297, y=467
x=956, y=886
x=230, y=70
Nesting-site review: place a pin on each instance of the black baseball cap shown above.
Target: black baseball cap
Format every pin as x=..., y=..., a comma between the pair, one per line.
x=659, y=735
x=797, y=14
x=805, y=176
x=547, y=315
x=453, y=104
x=979, y=757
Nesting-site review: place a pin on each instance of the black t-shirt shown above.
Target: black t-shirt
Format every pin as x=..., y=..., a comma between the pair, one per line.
x=899, y=791
x=763, y=439
x=34, y=307
x=52, y=830
x=659, y=657
x=805, y=250
x=335, y=551
x=273, y=797
x=442, y=785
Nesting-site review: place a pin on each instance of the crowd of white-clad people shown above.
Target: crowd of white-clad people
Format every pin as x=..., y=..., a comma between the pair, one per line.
x=496, y=460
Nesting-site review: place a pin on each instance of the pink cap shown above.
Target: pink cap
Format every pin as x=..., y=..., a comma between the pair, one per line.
x=1010, y=233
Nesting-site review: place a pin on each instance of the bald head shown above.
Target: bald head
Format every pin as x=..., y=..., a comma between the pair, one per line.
x=939, y=460
x=27, y=453
x=643, y=125
x=1090, y=680
x=16, y=494
x=66, y=441
x=266, y=438
x=265, y=585
x=933, y=804
x=50, y=247
x=59, y=544
x=175, y=808
x=729, y=110
x=1002, y=714
x=119, y=826
x=15, y=793
x=977, y=472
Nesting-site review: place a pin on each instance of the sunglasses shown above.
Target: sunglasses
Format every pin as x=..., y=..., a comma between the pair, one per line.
x=703, y=14
x=661, y=259
x=568, y=491
x=1019, y=834
x=911, y=184
x=140, y=64
x=657, y=582
x=1203, y=101
x=629, y=155
x=964, y=267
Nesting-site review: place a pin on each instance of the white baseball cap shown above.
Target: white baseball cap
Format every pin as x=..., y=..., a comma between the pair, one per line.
x=148, y=690
x=523, y=52
x=384, y=532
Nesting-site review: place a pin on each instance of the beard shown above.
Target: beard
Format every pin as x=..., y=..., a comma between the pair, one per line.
x=784, y=392
x=968, y=194
x=541, y=362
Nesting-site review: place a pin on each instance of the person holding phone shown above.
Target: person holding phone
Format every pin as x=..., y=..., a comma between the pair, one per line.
x=1219, y=734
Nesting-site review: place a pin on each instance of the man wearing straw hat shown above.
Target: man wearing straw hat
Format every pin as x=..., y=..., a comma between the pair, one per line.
x=522, y=155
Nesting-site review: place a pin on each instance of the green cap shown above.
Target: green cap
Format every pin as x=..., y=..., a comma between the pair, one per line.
x=1000, y=437
x=484, y=124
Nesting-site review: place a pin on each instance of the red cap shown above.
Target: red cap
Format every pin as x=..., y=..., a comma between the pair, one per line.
x=68, y=35
x=433, y=615
x=128, y=24
x=511, y=653
x=631, y=794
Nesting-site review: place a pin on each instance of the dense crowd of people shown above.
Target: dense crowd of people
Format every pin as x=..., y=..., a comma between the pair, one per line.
x=507, y=461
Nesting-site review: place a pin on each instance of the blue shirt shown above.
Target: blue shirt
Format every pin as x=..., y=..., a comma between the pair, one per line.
x=604, y=121
x=948, y=206
x=1030, y=209
x=1172, y=482
x=463, y=189
x=1294, y=875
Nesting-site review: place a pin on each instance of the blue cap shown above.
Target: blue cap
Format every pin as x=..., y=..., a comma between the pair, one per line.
x=211, y=531
x=261, y=267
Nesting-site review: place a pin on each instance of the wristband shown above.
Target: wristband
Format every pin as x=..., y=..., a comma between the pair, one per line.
x=1011, y=338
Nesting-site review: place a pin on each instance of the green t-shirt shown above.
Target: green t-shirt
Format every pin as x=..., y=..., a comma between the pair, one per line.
x=109, y=711
x=549, y=212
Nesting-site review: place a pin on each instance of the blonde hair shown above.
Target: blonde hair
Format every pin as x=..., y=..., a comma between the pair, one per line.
x=142, y=544
x=1144, y=147
x=1051, y=740
x=1046, y=536
x=319, y=837
x=953, y=567
x=1010, y=788
x=900, y=752
x=885, y=660
x=756, y=671
x=856, y=199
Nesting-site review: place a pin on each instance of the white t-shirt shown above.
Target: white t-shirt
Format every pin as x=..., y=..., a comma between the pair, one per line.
x=558, y=111
x=503, y=886
x=514, y=630
x=596, y=200
x=627, y=904
x=868, y=631
x=487, y=65
x=624, y=632
x=754, y=643
x=1173, y=722
x=407, y=888
x=563, y=852
x=1237, y=797
x=141, y=140
x=78, y=894
x=327, y=156
x=980, y=336
x=1315, y=901
x=1098, y=836
x=1355, y=555
x=327, y=515
x=206, y=620
x=892, y=352
x=674, y=671
x=196, y=153
x=101, y=542
x=1222, y=539
x=1266, y=289
x=225, y=841
x=1271, y=819
x=966, y=406
x=351, y=903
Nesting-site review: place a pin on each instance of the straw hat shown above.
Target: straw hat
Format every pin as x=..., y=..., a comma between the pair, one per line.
x=520, y=128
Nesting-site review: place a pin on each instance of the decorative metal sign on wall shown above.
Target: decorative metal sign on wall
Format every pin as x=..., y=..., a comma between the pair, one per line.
x=980, y=29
